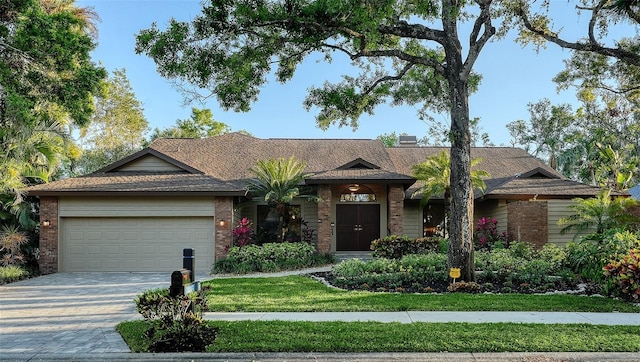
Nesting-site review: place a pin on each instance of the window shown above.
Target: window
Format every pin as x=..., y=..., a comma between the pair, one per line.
x=268, y=223
x=357, y=193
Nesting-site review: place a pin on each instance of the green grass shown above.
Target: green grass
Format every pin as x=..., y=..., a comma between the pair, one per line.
x=276, y=336
x=303, y=294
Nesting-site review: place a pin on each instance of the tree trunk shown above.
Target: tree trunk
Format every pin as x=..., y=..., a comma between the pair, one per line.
x=461, y=221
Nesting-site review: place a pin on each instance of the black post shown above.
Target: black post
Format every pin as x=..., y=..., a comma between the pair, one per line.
x=189, y=262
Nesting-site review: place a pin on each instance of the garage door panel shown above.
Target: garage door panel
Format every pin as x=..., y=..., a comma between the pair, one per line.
x=135, y=244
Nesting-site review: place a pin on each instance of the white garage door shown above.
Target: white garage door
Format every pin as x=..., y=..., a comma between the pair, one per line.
x=135, y=244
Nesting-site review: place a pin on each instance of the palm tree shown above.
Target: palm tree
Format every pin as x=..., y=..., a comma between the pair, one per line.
x=601, y=212
x=278, y=182
x=435, y=172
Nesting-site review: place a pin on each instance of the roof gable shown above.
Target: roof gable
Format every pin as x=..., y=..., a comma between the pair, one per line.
x=358, y=163
x=537, y=172
x=148, y=160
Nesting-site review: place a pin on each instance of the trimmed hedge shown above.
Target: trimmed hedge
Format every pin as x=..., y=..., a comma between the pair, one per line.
x=270, y=257
x=397, y=246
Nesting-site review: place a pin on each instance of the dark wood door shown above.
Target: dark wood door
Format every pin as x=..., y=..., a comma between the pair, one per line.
x=357, y=226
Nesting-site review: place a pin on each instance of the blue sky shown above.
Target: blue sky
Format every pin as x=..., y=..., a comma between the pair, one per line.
x=512, y=77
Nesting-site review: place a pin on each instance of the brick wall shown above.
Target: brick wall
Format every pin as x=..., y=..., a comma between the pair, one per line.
x=224, y=235
x=527, y=221
x=48, y=261
x=324, y=219
x=395, y=201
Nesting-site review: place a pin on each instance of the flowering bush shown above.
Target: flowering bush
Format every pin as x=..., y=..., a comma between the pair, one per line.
x=242, y=233
x=487, y=235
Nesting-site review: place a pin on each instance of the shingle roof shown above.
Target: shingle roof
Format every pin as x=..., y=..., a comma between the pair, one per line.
x=230, y=156
x=218, y=165
x=139, y=182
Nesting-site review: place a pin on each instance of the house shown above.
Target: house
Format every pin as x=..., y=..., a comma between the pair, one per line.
x=139, y=213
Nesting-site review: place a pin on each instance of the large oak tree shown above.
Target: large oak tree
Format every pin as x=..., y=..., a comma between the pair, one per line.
x=408, y=52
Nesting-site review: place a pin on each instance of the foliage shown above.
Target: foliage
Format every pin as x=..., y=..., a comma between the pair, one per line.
x=521, y=268
x=12, y=273
x=47, y=80
x=602, y=146
x=589, y=255
x=242, y=233
x=270, y=257
x=175, y=323
x=624, y=273
x=600, y=212
x=397, y=246
x=278, y=182
x=411, y=273
x=487, y=236
x=544, y=131
x=11, y=242
x=116, y=128
x=200, y=125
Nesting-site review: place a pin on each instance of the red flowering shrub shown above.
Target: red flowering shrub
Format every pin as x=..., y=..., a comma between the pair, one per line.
x=625, y=275
x=487, y=235
x=242, y=233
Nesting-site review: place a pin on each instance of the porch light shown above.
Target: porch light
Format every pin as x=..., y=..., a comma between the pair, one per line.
x=46, y=223
x=221, y=222
x=354, y=187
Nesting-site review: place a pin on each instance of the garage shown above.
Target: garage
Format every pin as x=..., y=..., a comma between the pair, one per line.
x=135, y=244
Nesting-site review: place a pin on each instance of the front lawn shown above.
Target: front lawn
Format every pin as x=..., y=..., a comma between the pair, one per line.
x=303, y=294
x=276, y=336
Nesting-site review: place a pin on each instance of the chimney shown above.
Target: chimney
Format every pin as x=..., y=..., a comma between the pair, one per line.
x=407, y=141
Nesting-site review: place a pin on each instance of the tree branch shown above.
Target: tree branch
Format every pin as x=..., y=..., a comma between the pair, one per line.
x=416, y=31
x=591, y=46
x=476, y=44
x=412, y=59
x=389, y=78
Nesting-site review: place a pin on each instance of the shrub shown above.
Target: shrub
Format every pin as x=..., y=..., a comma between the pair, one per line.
x=270, y=257
x=396, y=246
x=242, y=234
x=588, y=256
x=12, y=273
x=520, y=265
x=625, y=275
x=407, y=274
x=11, y=242
x=487, y=236
x=175, y=323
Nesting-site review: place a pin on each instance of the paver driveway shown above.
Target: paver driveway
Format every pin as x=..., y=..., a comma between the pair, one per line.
x=71, y=312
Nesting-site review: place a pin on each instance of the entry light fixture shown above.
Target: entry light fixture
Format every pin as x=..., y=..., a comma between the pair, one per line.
x=221, y=222
x=354, y=187
x=46, y=223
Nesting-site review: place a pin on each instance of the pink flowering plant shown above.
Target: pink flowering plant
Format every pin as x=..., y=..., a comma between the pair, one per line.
x=487, y=236
x=242, y=233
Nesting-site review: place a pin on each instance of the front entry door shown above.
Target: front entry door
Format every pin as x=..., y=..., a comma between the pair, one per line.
x=357, y=226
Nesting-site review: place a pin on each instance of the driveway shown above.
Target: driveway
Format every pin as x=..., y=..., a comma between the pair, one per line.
x=71, y=312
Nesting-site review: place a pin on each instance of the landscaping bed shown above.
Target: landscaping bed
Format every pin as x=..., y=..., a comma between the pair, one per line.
x=444, y=286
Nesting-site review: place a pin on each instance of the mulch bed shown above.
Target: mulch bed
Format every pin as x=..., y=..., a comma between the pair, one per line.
x=558, y=287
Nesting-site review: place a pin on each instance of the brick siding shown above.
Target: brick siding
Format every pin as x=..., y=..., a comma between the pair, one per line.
x=324, y=219
x=396, y=208
x=528, y=221
x=224, y=235
x=48, y=235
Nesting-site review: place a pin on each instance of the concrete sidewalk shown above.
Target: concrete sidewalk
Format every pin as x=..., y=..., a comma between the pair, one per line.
x=439, y=317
